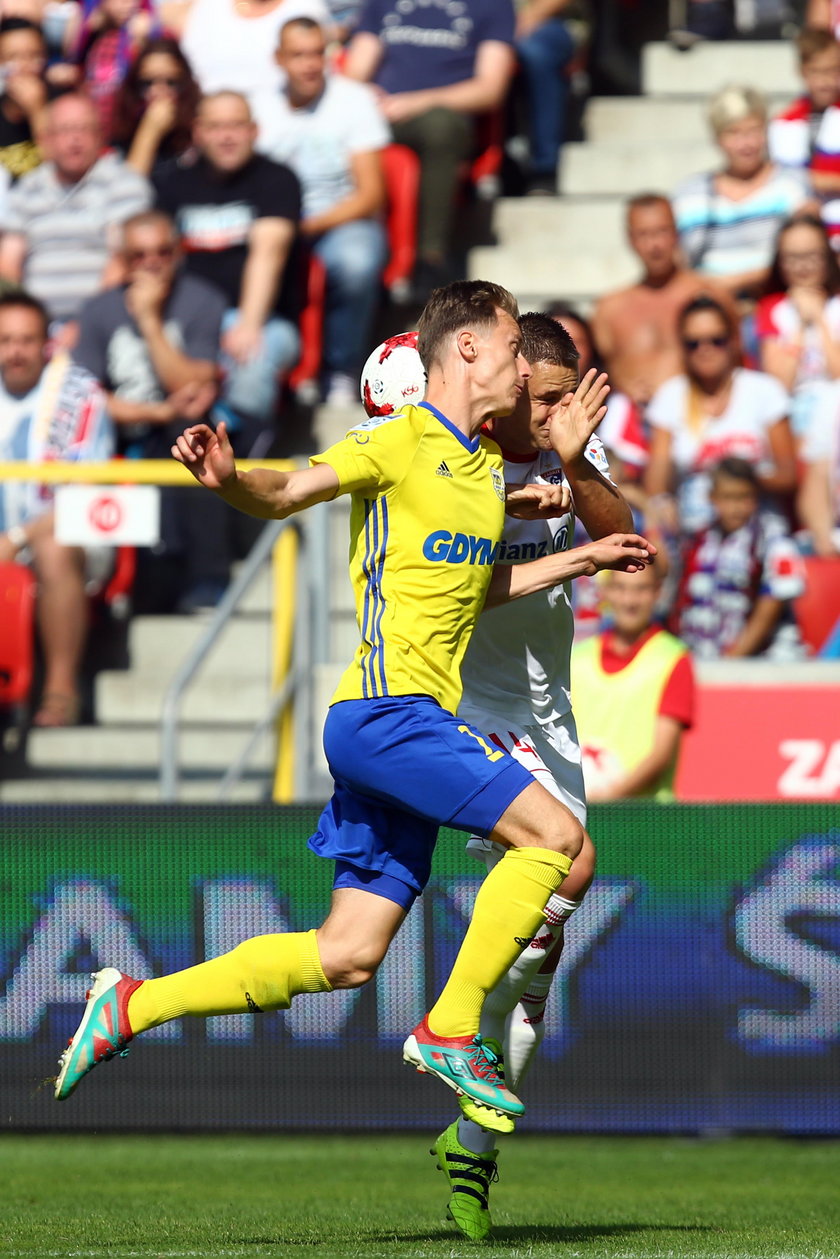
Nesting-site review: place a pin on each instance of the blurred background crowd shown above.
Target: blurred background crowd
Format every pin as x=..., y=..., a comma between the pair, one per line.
x=215, y=208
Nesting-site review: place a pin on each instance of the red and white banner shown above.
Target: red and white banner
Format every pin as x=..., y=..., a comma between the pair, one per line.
x=763, y=743
x=107, y=515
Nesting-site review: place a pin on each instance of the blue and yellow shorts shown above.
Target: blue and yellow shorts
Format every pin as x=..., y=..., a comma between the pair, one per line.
x=403, y=767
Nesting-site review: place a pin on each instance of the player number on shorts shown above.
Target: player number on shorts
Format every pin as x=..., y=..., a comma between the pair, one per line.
x=488, y=751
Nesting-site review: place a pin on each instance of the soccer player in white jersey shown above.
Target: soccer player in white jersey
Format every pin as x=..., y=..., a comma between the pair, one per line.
x=516, y=691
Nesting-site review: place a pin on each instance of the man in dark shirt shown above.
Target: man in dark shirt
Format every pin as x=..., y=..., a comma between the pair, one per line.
x=237, y=215
x=437, y=67
x=153, y=344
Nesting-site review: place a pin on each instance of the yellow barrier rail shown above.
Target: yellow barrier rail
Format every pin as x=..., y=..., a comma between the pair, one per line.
x=168, y=472
x=120, y=471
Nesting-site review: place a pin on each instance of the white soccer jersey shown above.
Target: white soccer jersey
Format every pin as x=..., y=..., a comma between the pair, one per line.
x=517, y=663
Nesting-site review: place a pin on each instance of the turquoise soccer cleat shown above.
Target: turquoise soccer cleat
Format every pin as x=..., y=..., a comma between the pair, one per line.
x=469, y=1177
x=477, y=1112
x=103, y=1032
x=469, y=1066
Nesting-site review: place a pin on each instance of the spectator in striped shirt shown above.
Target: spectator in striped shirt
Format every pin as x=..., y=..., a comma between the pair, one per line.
x=806, y=136
x=60, y=220
x=728, y=219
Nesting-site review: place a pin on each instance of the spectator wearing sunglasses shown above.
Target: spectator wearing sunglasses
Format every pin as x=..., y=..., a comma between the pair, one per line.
x=153, y=344
x=713, y=410
x=156, y=106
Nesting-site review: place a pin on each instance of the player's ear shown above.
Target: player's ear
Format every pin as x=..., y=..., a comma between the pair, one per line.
x=466, y=343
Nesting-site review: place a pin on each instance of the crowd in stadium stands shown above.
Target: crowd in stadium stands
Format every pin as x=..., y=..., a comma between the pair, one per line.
x=174, y=174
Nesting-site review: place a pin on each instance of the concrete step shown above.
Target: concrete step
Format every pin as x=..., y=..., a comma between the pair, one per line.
x=128, y=789
x=97, y=749
x=536, y=279
x=653, y=120
x=128, y=699
x=769, y=66
x=557, y=223
x=159, y=644
x=621, y=170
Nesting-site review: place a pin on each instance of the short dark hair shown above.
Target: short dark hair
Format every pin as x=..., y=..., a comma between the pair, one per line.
x=10, y=24
x=25, y=301
x=647, y=201
x=736, y=470
x=303, y=24
x=463, y=304
x=705, y=304
x=811, y=41
x=544, y=340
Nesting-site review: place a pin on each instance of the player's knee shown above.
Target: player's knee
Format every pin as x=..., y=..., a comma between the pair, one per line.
x=583, y=870
x=351, y=966
x=565, y=835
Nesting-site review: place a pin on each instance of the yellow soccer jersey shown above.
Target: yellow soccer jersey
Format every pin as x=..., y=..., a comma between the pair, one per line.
x=426, y=518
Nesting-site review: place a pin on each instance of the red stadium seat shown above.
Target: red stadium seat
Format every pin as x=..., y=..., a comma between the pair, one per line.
x=304, y=377
x=818, y=609
x=485, y=172
x=401, y=168
x=17, y=614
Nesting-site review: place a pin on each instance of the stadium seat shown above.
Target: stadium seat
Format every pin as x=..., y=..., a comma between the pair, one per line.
x=17, y=614
x=303, y=378
x=401, y=168
x=818, y=609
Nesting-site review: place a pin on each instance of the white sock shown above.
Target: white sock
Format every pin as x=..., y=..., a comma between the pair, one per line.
x=476, y=1140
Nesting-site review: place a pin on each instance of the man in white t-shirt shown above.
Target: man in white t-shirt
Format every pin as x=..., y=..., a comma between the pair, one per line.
x=49, y=409
x=329, y=130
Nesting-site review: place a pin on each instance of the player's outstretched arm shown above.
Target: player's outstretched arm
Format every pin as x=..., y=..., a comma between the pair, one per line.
x=628, y=552
x=599, y=504
x=265, y=493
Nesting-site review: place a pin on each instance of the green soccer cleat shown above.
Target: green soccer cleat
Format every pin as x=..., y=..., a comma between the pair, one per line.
x=468, y=1065
x=485, y=1116
x=469, y=1177
x=103, y=1032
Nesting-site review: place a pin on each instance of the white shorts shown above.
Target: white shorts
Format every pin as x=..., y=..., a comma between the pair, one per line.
x=550, y=751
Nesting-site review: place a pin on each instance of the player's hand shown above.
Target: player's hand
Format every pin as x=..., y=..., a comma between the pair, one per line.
x=537, y=502
x=577, y=416
x=207, y=455
x=626, y=552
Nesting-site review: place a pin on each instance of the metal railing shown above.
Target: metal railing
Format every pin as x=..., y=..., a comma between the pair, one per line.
x=300, y=625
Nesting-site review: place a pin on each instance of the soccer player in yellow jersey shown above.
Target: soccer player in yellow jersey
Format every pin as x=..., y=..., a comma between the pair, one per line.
x=428, y=502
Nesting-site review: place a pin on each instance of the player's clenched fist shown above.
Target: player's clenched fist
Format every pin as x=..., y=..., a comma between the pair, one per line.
x=537, y=502
x=208, y=455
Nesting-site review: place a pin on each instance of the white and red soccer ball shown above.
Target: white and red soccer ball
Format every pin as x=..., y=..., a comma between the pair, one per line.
x=393, y=376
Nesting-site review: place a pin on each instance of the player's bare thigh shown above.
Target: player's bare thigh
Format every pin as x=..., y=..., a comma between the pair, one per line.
x=536, y=819
x=355, y=935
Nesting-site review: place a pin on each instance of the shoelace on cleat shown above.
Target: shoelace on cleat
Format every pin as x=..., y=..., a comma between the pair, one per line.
x=485, y=1062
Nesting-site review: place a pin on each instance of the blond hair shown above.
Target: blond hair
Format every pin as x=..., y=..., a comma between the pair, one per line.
x=734, y=103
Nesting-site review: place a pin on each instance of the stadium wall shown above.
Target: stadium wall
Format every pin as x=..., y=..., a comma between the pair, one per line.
x=699, y=989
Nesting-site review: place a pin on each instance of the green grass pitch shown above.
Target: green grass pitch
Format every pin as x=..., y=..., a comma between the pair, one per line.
x=371, y=1196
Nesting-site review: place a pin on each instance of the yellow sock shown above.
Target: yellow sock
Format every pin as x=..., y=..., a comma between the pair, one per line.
x=509, y=909
x=263, y=973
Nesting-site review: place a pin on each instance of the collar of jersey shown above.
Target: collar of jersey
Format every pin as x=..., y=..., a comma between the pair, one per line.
x=471, y=443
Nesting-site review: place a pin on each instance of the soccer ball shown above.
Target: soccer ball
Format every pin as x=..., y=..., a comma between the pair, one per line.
x=393, y=376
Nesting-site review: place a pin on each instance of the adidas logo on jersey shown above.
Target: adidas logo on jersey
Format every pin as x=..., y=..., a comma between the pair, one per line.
x=442, y=469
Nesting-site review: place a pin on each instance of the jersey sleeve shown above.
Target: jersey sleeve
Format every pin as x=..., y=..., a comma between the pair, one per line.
x=678, y=695
x=375, y=455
